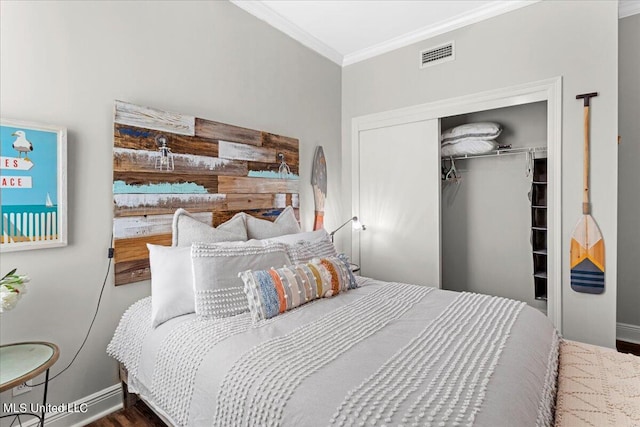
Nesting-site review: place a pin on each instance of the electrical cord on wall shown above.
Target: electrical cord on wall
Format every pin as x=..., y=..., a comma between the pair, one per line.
x=95, y=314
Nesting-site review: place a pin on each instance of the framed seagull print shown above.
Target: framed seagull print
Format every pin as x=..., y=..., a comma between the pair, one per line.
x=33, y=191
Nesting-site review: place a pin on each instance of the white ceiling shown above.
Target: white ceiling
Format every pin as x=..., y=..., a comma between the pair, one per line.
x=348, y=31
x=352, y=26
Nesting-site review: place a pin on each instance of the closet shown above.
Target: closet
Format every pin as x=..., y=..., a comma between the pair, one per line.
x=492, y=226
x=397, y=178
x=493, y=209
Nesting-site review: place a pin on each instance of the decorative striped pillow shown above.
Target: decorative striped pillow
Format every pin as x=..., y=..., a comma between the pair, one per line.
x=306, y=250
x=274, y=291
x=302, y=247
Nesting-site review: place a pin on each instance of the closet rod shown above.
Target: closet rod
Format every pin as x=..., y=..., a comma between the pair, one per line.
x=503, y=152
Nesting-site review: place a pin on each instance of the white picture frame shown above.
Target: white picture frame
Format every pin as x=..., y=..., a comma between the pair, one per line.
x=33, y=190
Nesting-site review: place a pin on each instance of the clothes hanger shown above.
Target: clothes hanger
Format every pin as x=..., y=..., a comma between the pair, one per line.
x=452, y=174
x=528, y=164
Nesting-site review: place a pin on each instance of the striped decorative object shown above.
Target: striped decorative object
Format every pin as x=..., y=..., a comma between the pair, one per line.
x=587, y=257
x=274, y=291
x=587, y=244
x=305, y=250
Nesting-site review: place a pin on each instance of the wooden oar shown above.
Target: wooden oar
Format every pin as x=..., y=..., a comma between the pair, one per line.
x=587, y=245
x=319, y=185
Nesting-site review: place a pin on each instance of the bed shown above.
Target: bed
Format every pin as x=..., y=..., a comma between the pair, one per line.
x=377, y=354
x=381, y=354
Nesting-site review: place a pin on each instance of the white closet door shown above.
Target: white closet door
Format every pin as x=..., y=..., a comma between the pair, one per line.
x=399, y=202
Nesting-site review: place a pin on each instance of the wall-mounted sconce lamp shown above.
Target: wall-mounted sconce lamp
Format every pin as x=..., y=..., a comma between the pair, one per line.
x=164, y=157
x=357, y=225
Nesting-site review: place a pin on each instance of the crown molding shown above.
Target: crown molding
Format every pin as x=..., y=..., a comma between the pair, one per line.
x=265, y=13
x=489, y=11
x=628, y=8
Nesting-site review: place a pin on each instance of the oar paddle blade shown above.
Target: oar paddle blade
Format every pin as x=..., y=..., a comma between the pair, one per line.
x=587, y=257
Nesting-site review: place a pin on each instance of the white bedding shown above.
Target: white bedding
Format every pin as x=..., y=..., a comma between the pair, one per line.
x=382, y=354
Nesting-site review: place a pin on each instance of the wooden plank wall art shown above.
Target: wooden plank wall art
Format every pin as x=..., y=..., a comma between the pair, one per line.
x=164, y=161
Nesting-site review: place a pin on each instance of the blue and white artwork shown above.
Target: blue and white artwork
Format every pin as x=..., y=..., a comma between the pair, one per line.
x=30, y=191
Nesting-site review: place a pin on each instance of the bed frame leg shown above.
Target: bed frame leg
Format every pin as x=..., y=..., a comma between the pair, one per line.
x=128, y=399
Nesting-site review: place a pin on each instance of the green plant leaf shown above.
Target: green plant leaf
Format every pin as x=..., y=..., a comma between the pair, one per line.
x=10, y=273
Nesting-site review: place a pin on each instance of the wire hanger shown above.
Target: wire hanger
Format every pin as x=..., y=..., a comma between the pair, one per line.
x=453, y=174
x=528, y=163
x=450, y=175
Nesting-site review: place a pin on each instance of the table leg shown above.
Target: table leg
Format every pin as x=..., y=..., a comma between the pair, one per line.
x=44, y=399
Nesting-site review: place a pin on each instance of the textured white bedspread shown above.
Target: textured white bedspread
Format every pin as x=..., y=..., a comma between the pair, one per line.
x=382, y=354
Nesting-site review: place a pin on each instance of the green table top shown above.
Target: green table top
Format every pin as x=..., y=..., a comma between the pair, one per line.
x=22, y=359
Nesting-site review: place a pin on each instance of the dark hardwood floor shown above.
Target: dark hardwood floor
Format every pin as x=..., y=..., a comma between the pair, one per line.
x=628, y=347
x=139, y=415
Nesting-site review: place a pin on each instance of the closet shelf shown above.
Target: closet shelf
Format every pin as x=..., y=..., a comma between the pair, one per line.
x=539, y=207
x=540, y=252
x=539, y=228
x=503, y=152
x=541, y=274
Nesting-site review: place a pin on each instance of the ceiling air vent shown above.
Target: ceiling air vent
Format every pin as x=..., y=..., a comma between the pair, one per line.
x=437, y=55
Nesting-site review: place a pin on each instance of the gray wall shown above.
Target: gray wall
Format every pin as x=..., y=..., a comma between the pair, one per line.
x=629, y=183
x=66, y=62
x=575, y=40
x=486, y=217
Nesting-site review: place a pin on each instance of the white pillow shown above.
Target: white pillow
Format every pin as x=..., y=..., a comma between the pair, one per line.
x=218, y=289
x=187, y=229
x=305, y=251
x=311, y=236
x=472, y=146
x=286, y=223
x=171, y=283
x=486, y=131
x=302, y=247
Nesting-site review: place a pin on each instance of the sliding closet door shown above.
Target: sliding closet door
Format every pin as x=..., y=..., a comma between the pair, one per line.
x=399, y=202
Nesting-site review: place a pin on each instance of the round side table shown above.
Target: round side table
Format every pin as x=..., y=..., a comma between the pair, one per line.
x=20, y=362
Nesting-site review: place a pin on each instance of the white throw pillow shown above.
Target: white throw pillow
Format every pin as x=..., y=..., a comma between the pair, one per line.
x=472, y=146
x=286, y=223
x=310, y=236
x=171, y=282
x=486, y=131
x=218, y=289
x=187, y=229
x=302, y=247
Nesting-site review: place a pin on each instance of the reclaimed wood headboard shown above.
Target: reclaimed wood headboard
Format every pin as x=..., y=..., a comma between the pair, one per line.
x=163, y=161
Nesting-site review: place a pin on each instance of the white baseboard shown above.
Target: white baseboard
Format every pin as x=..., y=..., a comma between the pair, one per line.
x=97, y=406
x=627, y=332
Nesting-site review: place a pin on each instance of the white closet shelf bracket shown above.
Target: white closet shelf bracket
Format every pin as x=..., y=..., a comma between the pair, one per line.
x=503, y=152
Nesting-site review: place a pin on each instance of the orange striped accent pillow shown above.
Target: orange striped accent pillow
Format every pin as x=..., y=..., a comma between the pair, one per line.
x=274, y=291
